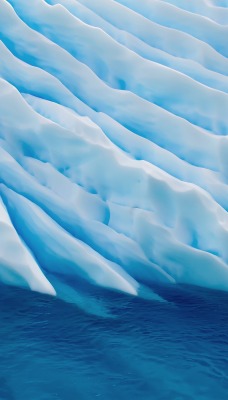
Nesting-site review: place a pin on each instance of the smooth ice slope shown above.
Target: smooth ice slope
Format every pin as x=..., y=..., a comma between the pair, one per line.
x=113, y=144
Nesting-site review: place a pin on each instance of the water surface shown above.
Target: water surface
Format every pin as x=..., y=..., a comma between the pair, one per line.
x=175, y=350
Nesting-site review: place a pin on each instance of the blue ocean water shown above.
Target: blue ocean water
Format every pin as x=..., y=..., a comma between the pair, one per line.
x=173, y=350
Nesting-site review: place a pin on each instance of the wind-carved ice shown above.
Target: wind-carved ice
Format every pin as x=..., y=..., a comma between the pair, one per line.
x=113, y=144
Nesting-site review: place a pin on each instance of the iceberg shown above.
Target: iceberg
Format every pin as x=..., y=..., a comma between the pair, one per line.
x=113, y=145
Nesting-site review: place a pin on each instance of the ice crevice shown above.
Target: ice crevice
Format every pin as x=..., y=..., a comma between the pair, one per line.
x=113, y=145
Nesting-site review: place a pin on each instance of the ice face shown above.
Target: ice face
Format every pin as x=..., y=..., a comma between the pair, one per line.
x=113, y=144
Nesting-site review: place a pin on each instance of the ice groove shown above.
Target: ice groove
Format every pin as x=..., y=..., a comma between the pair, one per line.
x=188, y=67
x=214, y=12
x=165, y=98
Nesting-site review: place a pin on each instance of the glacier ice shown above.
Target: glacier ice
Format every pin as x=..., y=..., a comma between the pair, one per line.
x=113, y=144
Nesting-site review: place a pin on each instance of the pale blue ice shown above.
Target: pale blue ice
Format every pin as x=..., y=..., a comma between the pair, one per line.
x=113, y=145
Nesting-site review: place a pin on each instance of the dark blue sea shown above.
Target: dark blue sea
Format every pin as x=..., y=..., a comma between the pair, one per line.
x=141, y=350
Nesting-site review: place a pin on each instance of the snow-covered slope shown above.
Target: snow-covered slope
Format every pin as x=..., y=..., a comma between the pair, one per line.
x=113, y=143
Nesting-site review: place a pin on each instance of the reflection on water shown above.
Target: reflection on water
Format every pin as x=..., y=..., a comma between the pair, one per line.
x=175, y=350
